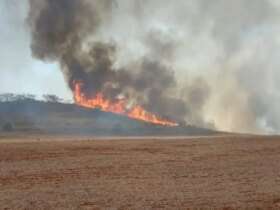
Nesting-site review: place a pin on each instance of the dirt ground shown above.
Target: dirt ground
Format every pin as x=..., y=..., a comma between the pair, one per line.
x=200, y=173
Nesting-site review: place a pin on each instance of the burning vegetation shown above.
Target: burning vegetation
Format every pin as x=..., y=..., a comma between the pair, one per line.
x=119, y=106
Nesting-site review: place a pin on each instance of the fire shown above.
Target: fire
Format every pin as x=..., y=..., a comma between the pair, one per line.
x=118, y=107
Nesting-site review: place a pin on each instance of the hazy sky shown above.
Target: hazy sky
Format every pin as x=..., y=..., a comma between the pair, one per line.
x=20, y=73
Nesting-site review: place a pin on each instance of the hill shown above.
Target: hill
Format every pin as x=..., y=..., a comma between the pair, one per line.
x=38, y=116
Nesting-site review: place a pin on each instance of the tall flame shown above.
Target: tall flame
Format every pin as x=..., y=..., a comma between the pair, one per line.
x=118, y=107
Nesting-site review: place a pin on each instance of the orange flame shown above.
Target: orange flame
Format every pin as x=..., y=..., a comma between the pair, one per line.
x=118, y=107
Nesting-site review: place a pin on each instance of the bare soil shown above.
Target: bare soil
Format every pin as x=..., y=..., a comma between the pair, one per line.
x=229, y=172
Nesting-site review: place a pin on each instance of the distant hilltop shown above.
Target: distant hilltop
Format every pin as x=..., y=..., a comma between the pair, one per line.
x=26, y=114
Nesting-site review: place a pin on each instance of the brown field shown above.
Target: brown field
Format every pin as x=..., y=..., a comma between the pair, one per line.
x=40, y=172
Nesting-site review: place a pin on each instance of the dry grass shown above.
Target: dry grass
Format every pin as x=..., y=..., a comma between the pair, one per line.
x=215, y=173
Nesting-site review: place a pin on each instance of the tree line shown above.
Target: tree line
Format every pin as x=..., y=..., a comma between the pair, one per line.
x=11, y=97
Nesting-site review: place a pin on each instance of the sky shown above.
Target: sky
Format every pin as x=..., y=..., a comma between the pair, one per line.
x=20, y=72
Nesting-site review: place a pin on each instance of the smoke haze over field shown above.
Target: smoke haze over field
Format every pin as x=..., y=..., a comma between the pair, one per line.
x=209, y=63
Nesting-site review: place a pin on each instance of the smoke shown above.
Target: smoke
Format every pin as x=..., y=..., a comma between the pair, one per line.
x=208, y=63
x=66, y=31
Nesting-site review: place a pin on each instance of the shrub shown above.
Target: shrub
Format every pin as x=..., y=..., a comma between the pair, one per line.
x=8, y=127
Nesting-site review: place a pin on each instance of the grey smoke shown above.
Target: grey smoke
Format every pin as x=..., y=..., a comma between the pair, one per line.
x=60, y=31
x=209, y=63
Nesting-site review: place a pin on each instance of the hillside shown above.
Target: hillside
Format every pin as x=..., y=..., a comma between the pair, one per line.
x=38, y=116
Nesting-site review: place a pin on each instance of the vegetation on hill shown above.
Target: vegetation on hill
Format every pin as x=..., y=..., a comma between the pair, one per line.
x=25, y=113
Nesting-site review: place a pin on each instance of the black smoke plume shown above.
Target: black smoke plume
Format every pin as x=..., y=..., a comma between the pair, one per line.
x=67, y=31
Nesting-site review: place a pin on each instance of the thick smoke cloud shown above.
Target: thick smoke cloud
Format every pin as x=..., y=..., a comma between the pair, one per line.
x=62, y=31
x=210, y=63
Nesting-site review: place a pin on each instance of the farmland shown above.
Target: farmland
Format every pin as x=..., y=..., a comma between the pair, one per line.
x=61, y=172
